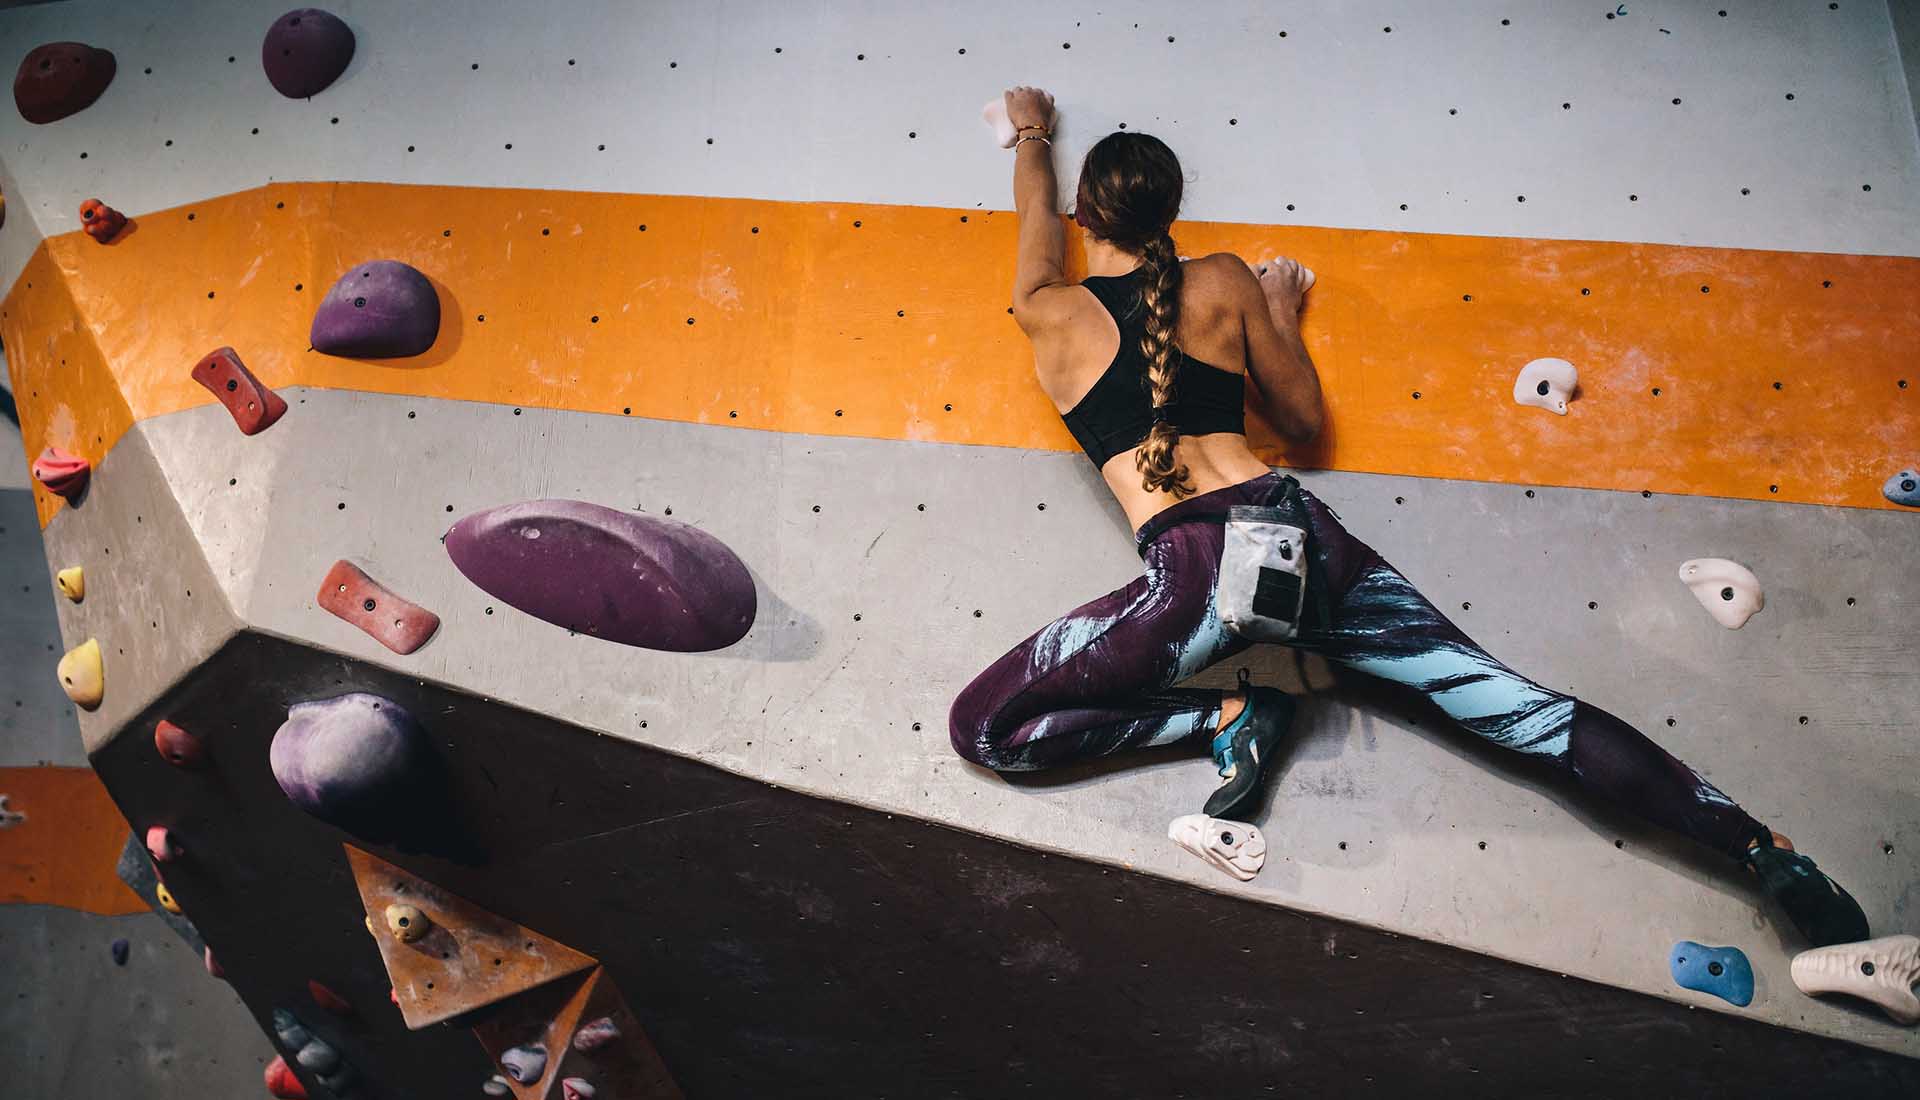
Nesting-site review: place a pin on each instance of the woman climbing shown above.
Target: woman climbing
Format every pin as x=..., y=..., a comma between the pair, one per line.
x=1147, y=361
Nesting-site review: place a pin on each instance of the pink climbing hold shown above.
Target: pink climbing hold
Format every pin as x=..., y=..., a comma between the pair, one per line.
x=577, y=1088
x=213, y=966
x=253, y=406
x=177, y=746
x=395, y=622
x=382, y=309
x=162, y=846
x=281, y=1083
x=63, y=474
x=595, y=1034
x=305, y=51
x=60, y=79
x=636, y=580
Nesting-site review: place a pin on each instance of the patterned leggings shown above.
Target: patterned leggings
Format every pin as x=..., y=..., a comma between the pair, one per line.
x=1100, y=679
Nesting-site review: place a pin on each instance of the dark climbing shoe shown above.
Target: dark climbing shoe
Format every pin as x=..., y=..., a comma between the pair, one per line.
x=1244, y=750
x=1823, y=912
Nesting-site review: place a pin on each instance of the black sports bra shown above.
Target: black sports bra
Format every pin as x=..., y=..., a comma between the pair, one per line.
x=1117, y=413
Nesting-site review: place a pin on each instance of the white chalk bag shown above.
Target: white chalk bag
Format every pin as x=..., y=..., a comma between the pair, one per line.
x=1262, y=591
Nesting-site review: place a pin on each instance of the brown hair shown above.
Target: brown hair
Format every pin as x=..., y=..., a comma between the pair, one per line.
x=1129, y=194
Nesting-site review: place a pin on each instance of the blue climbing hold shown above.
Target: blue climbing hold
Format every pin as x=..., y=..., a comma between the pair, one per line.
x=120, y=949
x=1904, y=488
x=1721, y=971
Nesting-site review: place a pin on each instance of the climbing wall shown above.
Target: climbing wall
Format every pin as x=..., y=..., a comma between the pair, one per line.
x=737, y=278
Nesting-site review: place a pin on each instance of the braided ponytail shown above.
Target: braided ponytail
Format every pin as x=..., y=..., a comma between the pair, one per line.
x=1160, y=297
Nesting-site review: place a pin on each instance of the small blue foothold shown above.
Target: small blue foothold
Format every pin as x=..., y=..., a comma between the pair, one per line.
x=1904, y=488
x=120, y=949
x=1721, y=971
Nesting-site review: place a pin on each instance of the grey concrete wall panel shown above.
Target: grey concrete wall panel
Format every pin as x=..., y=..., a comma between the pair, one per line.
x=37, y=723
x=914, y=539
x=774, y=944
x=1337, y=123
x=74, y=1025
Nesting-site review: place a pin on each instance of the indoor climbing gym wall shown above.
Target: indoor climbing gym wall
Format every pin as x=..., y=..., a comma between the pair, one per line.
x=508, y=495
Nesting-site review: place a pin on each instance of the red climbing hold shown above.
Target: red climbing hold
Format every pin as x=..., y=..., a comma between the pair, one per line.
x=102, y=222
x=177, y=746
x=398, y=624
x=305, y=51
x=162, y=846
x=213, y=965
x=253, y=405
x=282, y=1083
x=328, y=999
x=62, y=473
x=60, y=79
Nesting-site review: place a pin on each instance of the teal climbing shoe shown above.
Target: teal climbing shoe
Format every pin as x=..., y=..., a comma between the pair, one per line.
x=1823, y=912
x=1245, y=748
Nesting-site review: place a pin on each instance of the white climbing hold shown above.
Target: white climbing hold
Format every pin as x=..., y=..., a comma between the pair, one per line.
x=995, y=115
x=1279, y=263
x=1233, y=846
x=497, y=1086
x=525, y=1064
x=1882, y=971
x=1728, y=590
x=9, y=817
x=1546, y=384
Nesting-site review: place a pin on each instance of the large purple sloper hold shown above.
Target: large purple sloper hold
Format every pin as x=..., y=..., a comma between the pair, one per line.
x=360, y=762
x=636, y=580
x=305, y=51
x=381, y=309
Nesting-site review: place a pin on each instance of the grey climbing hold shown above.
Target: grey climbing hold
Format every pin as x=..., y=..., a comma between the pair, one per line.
x=497, y=1086
x=525, y=1064
x=1904, y=488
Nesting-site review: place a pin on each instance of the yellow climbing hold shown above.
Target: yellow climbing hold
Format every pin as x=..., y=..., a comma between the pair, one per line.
x=165, y=898
x=82, y=675
x=72, y=583
x=407, y=923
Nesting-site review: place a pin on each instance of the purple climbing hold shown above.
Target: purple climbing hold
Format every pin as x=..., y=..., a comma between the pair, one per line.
x=362, y=763
x=636, y=580
x=120, y=949
x=381, y=309
x=306, y=50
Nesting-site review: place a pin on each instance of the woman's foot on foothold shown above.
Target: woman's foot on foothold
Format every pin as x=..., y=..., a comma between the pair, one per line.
x=1823, y=912
x=1244, y=748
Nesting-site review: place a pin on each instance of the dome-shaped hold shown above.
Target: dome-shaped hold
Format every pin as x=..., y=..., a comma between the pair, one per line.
x=382, y=309
x=62, y=472
x=60, y=79
x=525, y=1064
x=595, y=1034
x=305, y=51
x=102, y=222
x=72, y=583
x=82, y=676
x=1903, y=488
x=177, y=746
x=636, y=580
x=1546, y=384
x=407, y=923
x=362, y=763
x=1728, y=590
x=161, y=845
x=281, y=1083
x=165, y=897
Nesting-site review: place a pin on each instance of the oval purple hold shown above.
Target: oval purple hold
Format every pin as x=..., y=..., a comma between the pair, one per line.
x=382, y=309
x=305, y=51
x=636, y=580
x=360, y=762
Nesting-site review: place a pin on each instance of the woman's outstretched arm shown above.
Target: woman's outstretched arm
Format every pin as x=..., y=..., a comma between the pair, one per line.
x=1041, y=264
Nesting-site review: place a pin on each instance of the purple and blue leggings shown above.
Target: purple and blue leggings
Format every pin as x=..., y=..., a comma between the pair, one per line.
x=1100, y=678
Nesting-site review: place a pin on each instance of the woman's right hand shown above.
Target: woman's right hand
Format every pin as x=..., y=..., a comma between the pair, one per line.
x=1030, y=107
x=1285, y=283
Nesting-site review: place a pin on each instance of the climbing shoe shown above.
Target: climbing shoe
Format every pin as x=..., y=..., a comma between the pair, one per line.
x=1823, y=912
x=1244, y=749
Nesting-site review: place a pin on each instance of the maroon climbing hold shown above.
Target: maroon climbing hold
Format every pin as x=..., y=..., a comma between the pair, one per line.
x=281, y=1082
x=253, y=405
x=102, y=222
x=213, y=966
x=398, y=624
x=177, y=746
x=305, y=51
x=60, y=79
x=63, y=474
x=595, y=1034
x=379, y=310
x=636, y=580
x=328, y=999
x=161, y=845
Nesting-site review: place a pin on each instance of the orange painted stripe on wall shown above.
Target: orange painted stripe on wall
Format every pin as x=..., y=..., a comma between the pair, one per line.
x=66, y=850
x=1765, y=375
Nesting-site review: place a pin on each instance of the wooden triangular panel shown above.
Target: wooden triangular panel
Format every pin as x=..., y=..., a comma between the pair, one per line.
x=623, y=1068
x=467, y=960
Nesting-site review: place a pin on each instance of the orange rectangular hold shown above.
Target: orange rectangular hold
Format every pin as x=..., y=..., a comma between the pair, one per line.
x=395, y=622
x=255, y=408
